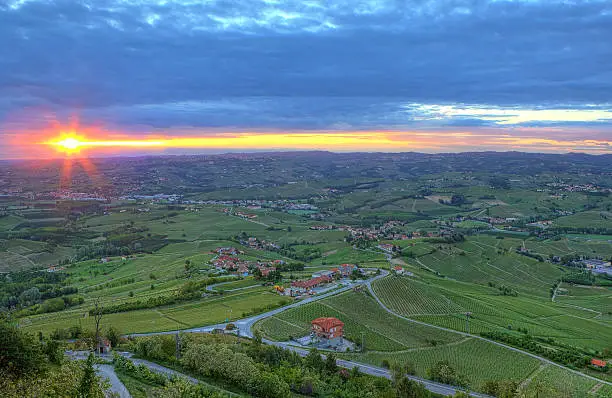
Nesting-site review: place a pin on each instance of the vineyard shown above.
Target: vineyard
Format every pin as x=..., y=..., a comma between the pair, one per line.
x=361, y=314
x=445, y=303
x=554, y=381
x=477, y=360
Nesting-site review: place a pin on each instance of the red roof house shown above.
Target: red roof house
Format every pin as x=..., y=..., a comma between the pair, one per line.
x=328, y=328
x=309, y=284
x=598, y=362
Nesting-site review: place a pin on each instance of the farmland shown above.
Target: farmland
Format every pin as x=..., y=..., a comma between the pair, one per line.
x=509, y=254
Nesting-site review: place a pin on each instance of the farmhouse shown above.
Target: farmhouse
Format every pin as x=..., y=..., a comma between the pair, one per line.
x=329, y=331
x=347, y=269
x=310, y=284
x=598, y=363
x=386, y=247
x=398, y=270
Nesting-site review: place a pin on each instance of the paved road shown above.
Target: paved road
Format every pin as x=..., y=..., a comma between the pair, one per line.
x=211, y=288
x=105, y=371
x=369, y=285
x=108, y=372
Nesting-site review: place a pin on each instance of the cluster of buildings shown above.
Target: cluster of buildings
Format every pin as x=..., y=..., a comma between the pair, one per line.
x=569, y=187
x=318, y=279
x=260, y=244
x=227, y=261
x=598, y=266
x=229, y=210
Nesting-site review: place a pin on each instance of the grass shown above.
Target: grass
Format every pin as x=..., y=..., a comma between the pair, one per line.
x=136, y=387
x=185, y=315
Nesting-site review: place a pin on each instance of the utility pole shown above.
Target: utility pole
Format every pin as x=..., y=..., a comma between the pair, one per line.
x=178, y=342
x=467, y=321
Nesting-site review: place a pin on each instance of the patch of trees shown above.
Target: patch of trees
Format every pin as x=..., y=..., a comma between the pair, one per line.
x=31, y=367
x=582, y=230
x=501, y=388
x=443, y=372
x=305, y=254
x=27, y=289
x=531, y=255
x=123, y=245
x=269, y=371
x=579, y=277
x=504, y=290
x=290, y=267
x=562, y=354
x=499, y=182
x=188, y=291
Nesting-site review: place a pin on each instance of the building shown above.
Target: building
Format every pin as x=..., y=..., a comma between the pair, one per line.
x=329, y=331
x=594, y=263
x=398, y=270
x=598, y=363
x=104, y=346
x=329, y=274
x=310, y=284
x=347, y=269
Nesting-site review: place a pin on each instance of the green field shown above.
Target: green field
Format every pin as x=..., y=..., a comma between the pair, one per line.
x=445, y=304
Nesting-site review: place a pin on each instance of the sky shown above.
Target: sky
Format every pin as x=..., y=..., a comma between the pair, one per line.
x=362, y=75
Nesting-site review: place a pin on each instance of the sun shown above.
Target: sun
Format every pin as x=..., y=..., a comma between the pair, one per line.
x=68, y=143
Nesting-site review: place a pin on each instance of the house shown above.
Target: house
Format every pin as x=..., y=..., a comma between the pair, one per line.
x=387, y=247
x=347, y=269
x=398, y=270
x=594, y=264
x=310, y=284
x=104, y=346
x=598, y=363
x=328, y=274
x=329, y=331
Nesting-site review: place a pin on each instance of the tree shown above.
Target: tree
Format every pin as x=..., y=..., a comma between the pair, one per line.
x=21, y=354
x=444, y=373
x=90, y=382
x=314, y=360
x=330, y=363
x=30, y=296
x=406, y=388
x=457, y=200
x=54, y=351
x=98, y=313
x=113, y=335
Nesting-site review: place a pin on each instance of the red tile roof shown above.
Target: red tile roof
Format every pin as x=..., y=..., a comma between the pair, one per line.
x=327, y=323
x=598, y=362
x=312, y=282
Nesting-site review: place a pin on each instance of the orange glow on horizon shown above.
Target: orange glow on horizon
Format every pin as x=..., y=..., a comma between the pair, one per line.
x=76, y=141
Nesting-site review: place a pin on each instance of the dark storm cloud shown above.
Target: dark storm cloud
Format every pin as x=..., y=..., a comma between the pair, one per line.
x=296, y=64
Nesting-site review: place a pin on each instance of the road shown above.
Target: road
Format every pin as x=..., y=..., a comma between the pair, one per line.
x=106, y=372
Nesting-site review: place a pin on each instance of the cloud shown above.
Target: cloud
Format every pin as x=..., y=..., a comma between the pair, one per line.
x=292, y=64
